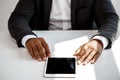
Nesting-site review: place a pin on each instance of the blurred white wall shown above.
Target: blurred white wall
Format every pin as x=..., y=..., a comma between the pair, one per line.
x=116, y=4
x=7, y=6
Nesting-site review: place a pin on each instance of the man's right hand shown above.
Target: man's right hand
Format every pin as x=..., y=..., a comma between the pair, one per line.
x=38, y=48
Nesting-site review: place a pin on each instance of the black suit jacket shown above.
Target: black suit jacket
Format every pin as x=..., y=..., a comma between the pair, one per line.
x=35, y=14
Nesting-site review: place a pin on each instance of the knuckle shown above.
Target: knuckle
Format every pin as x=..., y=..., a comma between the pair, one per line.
x=89, y=58
x=41, y=38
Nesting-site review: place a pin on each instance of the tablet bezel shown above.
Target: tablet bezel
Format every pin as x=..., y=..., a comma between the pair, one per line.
x=59, y=75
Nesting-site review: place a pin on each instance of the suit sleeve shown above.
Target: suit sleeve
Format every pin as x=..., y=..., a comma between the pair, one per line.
x=107, y=19
x=18, y=24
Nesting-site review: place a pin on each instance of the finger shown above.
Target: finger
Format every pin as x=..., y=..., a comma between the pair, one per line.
x=77, y=51
x=39, y=57
x=90, y=57
x=89, y=50
x=45, y=45
x=81, y=53
x=95, y=58
x=30, y=50
x=41, y=51
x=32, y=53
x=35, y=49
x=43, y=54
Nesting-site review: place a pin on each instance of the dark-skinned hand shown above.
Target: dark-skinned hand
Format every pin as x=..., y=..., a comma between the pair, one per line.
x=38, y=48
x=89, y=52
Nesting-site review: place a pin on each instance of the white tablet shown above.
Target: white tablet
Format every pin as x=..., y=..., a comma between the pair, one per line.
x=60, y=67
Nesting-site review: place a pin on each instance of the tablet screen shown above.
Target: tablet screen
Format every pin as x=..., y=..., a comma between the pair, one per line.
x=61, y=66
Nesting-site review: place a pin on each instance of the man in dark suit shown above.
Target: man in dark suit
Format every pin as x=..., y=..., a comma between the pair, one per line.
x=64, y=14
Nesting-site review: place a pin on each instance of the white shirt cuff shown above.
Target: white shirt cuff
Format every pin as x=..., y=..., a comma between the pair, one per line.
x=25, y=38
x=103, y=39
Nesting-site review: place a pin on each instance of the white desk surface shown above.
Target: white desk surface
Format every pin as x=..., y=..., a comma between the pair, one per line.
x=17, y=64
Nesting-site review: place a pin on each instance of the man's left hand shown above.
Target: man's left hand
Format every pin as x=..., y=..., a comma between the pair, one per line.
x=89, y=52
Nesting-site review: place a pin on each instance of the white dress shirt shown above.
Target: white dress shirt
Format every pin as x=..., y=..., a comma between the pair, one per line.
x=60, y=20
x=60, y=15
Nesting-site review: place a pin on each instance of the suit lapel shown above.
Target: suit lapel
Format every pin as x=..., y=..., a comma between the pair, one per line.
x=73, y=10
x=47, y=9
x=73, y=5
x=47, y=5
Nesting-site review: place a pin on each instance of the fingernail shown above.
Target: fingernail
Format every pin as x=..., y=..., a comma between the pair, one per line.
x=44, y=58
x=79, y=62
x=49, y=55
x=39, y=59
x=92, y=62
x=34, y=58
x=84, y=63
